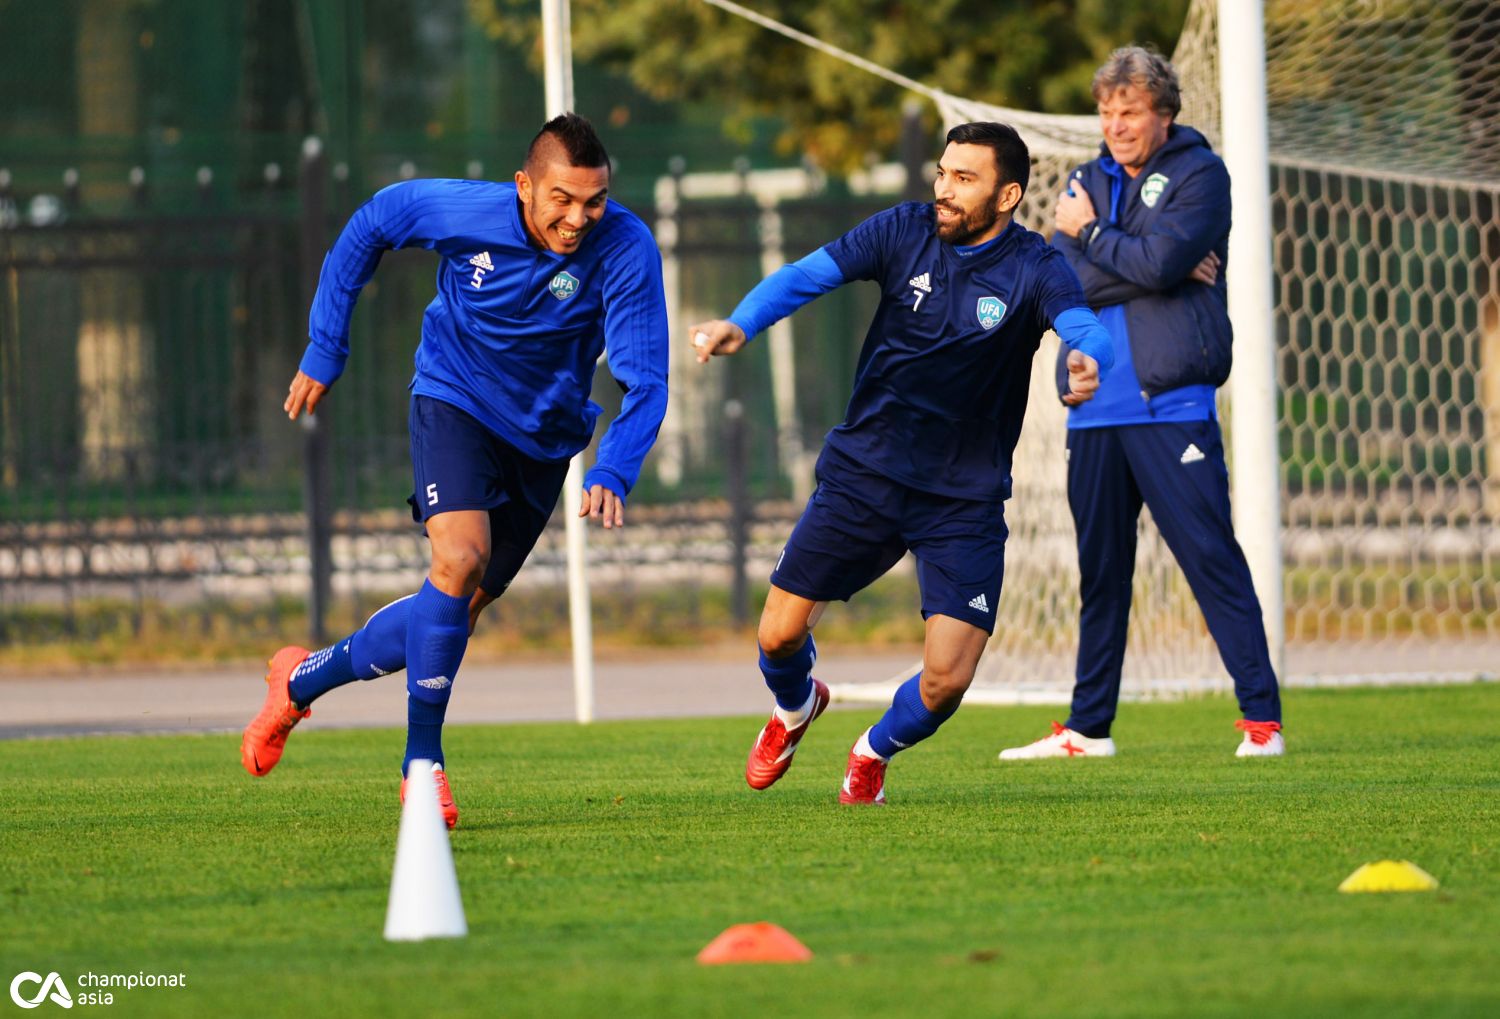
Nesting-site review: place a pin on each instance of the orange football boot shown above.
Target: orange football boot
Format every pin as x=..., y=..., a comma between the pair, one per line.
x=265, y=736
x=445, y=796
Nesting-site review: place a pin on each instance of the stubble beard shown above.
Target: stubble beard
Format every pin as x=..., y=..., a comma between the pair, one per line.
x=970, y=223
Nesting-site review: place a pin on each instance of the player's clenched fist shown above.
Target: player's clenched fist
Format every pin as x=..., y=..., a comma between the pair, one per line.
x=1083, y=378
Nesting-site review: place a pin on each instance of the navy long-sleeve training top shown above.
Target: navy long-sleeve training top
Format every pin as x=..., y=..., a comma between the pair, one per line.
x=943, y=377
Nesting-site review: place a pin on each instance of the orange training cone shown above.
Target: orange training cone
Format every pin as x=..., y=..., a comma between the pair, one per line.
x=754, y=942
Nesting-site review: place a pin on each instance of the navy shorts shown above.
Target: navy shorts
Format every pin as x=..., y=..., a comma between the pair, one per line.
x=459, y=464
x=858, y=524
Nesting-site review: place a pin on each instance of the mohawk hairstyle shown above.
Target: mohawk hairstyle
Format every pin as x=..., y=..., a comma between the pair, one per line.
x=567, y=136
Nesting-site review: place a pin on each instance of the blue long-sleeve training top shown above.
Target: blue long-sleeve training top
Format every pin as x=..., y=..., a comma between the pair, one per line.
x=944, y=374
x=515, y=330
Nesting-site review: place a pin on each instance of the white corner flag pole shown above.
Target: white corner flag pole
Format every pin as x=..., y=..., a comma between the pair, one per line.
x=1257, y=474
x=558, y=47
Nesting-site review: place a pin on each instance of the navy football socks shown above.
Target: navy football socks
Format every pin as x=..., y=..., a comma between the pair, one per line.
x=907, y=721
x=790, y=678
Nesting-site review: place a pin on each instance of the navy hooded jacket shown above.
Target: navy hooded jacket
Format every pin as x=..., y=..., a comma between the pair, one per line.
x=1152, y=230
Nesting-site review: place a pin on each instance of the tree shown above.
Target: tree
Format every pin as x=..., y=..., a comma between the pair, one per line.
x=1034, y=54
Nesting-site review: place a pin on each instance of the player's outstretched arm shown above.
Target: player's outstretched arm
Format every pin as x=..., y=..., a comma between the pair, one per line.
x=772, y=299
x=717, y=338
x=304, y=393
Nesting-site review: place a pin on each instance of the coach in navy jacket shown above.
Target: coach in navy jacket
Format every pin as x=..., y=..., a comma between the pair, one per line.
x=1146, y=228
x=1138, y=253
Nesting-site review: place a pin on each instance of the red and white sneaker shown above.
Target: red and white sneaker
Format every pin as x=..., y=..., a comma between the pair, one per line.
x=771, y=755
x=1063, y=742
x=864, y=780
x=445, y=796
x=1262, y=739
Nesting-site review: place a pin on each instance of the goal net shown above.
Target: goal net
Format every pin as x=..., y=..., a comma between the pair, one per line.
x=1384, y=123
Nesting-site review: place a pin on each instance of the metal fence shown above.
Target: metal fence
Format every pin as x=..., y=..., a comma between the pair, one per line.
x=150, y=483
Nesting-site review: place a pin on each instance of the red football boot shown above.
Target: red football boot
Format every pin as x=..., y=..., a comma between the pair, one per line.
x=864, y=780
x=771, y=755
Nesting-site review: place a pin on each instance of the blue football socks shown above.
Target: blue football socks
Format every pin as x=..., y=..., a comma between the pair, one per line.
x=377, y=648
x=907, y=721
x=790, y=678
x=424, y=732
x=436, y=637
x=320, y=672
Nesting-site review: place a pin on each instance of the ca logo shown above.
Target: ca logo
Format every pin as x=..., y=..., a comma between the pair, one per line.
x=53, y=983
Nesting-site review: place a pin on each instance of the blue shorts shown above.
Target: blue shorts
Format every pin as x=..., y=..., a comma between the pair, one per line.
x=459, y=464
x=858, y=524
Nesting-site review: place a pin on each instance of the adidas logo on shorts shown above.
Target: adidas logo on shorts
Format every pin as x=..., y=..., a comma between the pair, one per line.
x=979, y=602
x=1192, y=454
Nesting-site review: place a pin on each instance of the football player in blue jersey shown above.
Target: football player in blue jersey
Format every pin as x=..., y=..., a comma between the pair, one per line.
x=535, y=280
x=921, y=461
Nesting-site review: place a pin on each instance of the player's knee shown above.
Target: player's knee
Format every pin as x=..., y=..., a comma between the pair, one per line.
x=459, y=565
x=780, y=638
x=944, y=685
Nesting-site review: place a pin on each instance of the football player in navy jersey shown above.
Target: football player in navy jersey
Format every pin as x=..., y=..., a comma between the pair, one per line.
x=535, y=280
x=921, y=461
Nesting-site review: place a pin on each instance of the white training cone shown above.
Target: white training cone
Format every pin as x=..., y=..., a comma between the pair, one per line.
x=424, y=888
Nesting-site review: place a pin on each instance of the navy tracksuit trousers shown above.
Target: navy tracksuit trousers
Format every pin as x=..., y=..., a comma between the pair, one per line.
x=1177, y=469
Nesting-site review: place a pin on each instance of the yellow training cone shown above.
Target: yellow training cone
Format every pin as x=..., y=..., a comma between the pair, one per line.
x=1389, y=876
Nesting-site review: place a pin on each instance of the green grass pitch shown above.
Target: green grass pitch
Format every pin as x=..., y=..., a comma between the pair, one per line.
x=1173, y=880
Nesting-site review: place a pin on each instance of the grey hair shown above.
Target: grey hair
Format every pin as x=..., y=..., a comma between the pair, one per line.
x=1147, y=70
